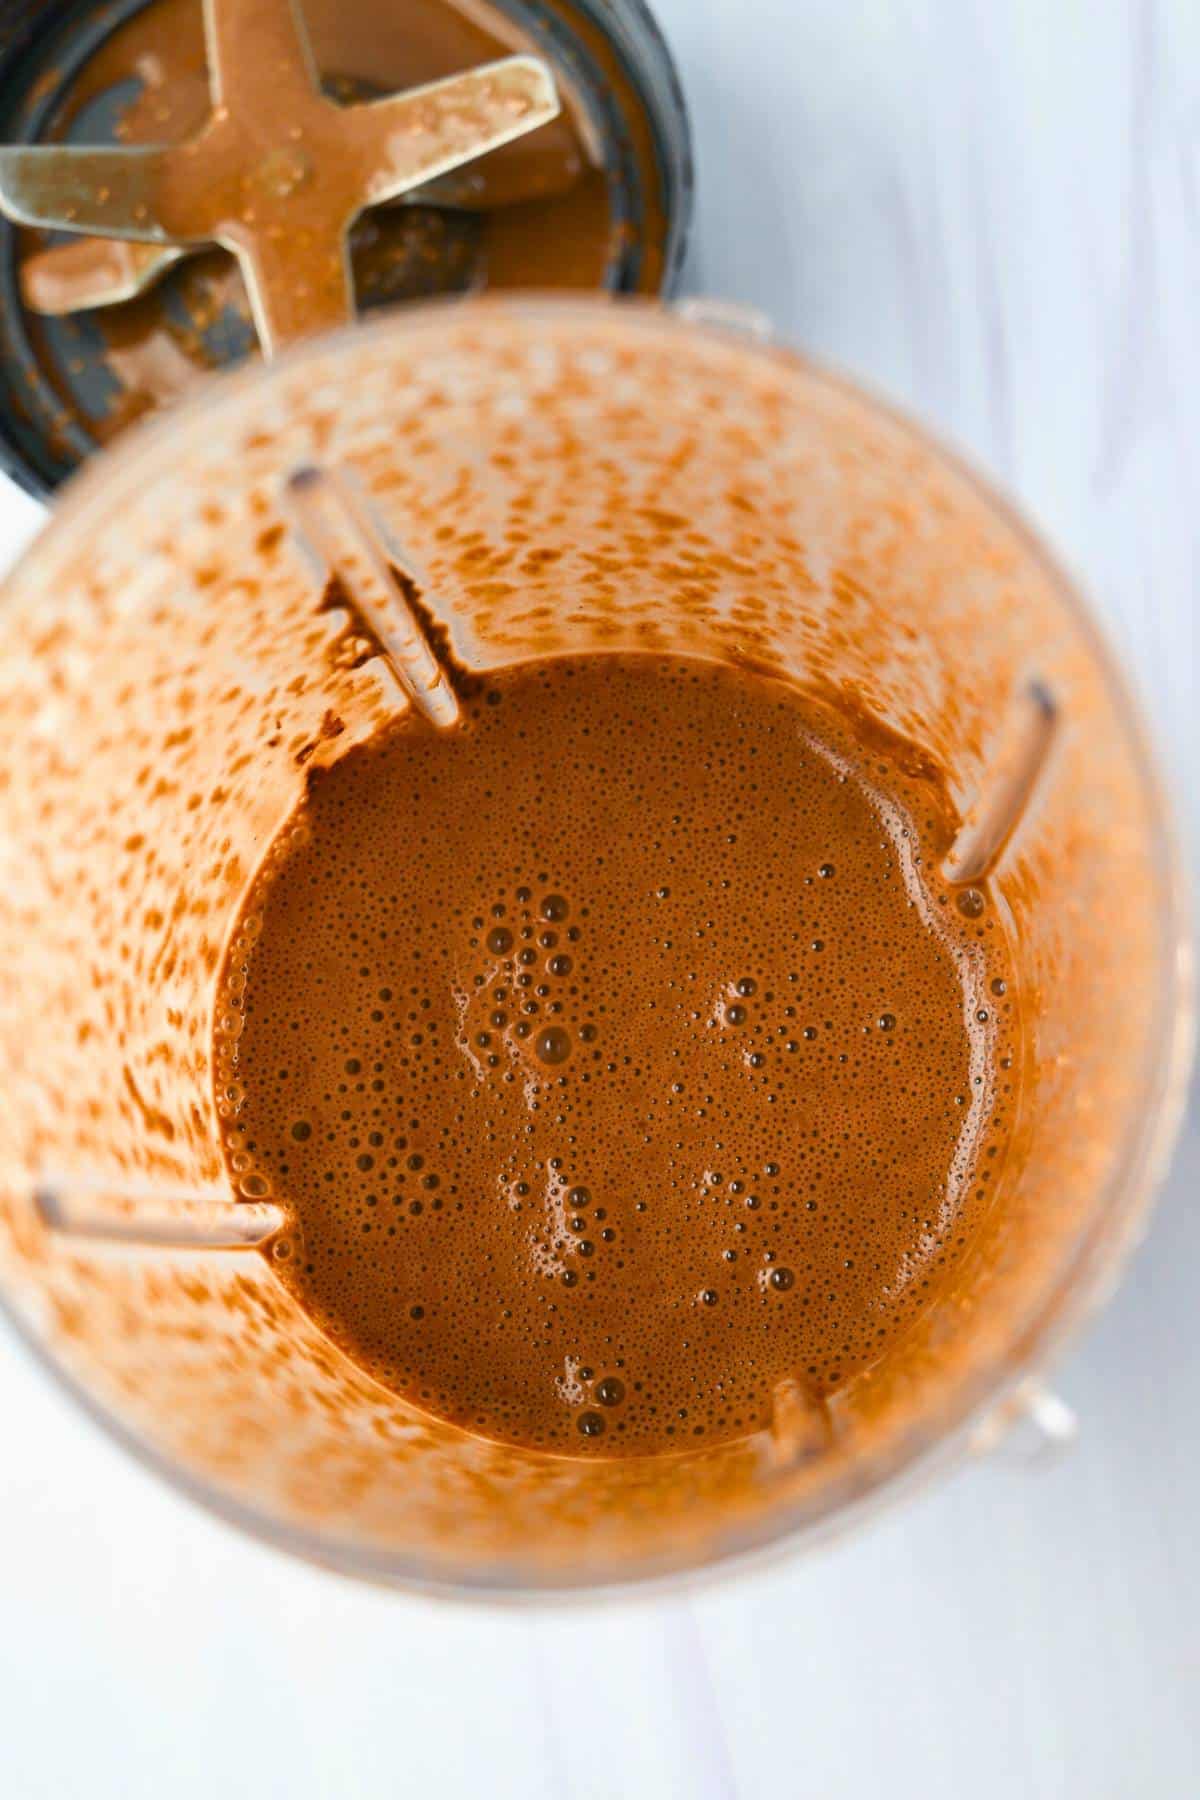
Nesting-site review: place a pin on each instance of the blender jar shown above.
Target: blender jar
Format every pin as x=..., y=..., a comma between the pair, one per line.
x=214, y=609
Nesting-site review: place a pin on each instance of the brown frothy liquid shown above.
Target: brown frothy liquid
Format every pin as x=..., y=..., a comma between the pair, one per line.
x=617, y=1055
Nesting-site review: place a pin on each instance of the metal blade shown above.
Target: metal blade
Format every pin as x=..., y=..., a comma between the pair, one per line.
x=295, y=295
x=110, y=193
x=91, y=273
x=259, y=55
x=425, y=133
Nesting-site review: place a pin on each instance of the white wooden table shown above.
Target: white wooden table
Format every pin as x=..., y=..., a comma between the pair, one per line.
x=991, y=210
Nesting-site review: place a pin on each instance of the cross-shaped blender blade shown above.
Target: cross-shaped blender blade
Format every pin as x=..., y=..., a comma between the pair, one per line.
x=278, y=173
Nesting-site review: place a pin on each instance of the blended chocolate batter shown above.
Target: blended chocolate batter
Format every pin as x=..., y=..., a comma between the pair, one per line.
x=614, y=1055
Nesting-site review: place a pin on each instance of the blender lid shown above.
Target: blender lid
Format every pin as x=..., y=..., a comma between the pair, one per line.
x=536, y=143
